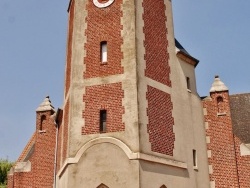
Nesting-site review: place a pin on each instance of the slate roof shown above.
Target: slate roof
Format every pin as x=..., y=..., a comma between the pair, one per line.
x=183, y=52
x=180, y=47
x=240, y=113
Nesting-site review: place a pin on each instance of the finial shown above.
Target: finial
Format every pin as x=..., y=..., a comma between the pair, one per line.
x=45, y=105
x=218, y=85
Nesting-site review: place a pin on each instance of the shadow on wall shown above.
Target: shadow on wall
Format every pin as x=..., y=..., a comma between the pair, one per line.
x=168, y=170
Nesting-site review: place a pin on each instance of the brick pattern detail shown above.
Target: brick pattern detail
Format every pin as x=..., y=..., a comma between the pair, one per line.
x=42, y=159
x=243, y=166
x=240, y=105
x=65, y=131
x=160, y=126
x=103, y=25
x=103, y=97
x=222, y=160
x=44, y=154
x=156, y=43
x=69, y=47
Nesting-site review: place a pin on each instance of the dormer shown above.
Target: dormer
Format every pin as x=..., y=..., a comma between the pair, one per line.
x=188, y=64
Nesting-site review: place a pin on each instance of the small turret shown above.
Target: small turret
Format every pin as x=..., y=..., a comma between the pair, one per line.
x=218, y=85
x=45, y=105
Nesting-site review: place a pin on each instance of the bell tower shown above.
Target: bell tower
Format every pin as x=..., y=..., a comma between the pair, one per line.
x=128, y=118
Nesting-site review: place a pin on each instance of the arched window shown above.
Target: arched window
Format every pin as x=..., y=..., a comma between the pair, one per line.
x=102, y=186
x=43, y=118
x=220, y=104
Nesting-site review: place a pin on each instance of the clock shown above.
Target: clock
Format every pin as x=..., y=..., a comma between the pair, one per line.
x=98, y=4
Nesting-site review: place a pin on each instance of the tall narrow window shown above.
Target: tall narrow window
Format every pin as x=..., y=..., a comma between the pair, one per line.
x=43, y=118
x=104, y=52
x=188, y=82
x=220, y=104
x=103, y=119
x=194, y=158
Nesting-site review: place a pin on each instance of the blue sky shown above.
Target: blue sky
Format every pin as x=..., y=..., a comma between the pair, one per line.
x=33, y=45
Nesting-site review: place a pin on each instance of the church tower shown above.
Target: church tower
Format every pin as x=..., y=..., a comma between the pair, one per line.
x=131, y=116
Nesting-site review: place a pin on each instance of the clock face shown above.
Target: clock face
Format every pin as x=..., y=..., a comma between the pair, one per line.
x=100, y=4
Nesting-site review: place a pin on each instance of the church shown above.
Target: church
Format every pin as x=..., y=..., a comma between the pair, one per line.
x=131, y=115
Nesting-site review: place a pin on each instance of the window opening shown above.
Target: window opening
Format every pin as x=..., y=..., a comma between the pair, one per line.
x=188, y=82
x=194, y=158
x=104, y=52
x=103, y=120
x=220, y=104
x=43, y=118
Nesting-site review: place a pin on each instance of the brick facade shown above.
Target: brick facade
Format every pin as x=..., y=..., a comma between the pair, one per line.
x=159, y=111
x=40, y=152
x=240, y=111
x=160, y=126
x=103, y=97
x=223, y=167
x=103, y=25
x=69, y=47
x=243, y=165
x=156, y=42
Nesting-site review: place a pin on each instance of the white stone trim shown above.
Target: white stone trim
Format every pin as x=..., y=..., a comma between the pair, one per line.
x=130, y=154
x=212, y=184
x=158, y=85
x=244, y=150
x=206, y=125
x=22, y=167
x=210, y=169
x=102, y=5
x=209, y=153
x=205, y=111
x=208, y=139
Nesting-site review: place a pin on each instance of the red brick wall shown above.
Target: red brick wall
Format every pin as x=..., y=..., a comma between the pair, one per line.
x=103, y=97
x=103, y=25
x=243, y=164
x=69, y=47
x=44, y=153
x=10, y=182
x=23, y=180
x=221, y=144
x=156, y=43
x=42, y=158
x=160, y=125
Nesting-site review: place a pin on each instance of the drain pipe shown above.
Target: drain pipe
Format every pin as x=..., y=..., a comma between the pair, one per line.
x=57, y=127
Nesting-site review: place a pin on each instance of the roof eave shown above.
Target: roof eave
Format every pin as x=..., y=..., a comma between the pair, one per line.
x=70, y=2
x=187, y=58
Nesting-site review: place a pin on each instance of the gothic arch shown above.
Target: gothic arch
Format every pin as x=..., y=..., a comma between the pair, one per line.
x=102, y=186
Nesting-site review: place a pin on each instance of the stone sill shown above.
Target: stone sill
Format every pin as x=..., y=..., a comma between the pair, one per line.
x=222, y=114
x=42, y=131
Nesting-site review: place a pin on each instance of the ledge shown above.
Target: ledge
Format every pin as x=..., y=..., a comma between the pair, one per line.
x=222, y=114
x=160, y=160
